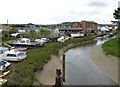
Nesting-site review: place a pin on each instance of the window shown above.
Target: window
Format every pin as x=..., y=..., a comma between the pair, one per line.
x=21, y=54
x=27, y=41
x=22, y=41
x=11, y=55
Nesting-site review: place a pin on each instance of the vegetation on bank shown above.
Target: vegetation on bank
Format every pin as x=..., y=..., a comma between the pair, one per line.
x=111, y=47
x=7, y=39
x=23, y=72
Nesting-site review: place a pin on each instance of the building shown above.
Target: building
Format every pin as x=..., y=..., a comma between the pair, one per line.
x=111, y=27
x=4, y=28
x=88, y=26
x=76, y=25
x=71, y=30
x=115, y=24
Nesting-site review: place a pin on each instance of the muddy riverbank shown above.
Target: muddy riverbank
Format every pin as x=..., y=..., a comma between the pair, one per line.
x=107, y=63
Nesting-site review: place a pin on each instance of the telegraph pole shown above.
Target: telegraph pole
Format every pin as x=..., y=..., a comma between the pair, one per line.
x=7, y=21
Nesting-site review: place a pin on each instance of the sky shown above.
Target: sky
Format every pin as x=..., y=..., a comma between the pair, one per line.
x=56, y=11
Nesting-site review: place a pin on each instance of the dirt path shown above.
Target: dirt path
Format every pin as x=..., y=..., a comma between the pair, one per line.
x=107, y=63
x=47, y=75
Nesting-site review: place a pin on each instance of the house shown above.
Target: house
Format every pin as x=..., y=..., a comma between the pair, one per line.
x=5, y=28
x=115, y=23
x=110, y=27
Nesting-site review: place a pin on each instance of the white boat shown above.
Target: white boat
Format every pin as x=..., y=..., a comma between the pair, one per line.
x=2, y=82
x=3, y=49
x=26, y=42
x=13, y=55
x=4, y=65
x=63, y=38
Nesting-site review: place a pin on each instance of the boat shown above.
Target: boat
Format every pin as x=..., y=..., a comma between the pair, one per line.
x=2, y=82
x=3, y=49
x=4, y=65
x=20, y=48
x=110, y=34
x=63, y=38
x=4, y=73
x=13, y=55
x=26, y=42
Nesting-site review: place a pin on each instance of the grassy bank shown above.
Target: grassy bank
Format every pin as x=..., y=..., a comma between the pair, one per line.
x=22, y=73
x=111, y=47
x=7, y=39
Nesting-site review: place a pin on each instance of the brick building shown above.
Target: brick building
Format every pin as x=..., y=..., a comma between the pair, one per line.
x=85, y=25
x=76, y=25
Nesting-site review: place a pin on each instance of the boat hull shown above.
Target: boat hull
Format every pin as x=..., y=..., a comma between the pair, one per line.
x=26, y=46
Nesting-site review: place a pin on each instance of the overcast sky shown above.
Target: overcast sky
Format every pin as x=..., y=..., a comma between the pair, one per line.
x=56, y=11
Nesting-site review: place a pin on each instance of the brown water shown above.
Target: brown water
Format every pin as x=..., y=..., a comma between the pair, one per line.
x=81, y=70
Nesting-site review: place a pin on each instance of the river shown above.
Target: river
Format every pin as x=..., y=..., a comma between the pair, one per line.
x=81, y=70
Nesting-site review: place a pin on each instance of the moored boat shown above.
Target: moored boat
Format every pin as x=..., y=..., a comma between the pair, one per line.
x=13, y=55
x=26, y=42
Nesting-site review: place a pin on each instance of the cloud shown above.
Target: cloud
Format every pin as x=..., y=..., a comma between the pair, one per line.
x=97, y=4
x=56, y=11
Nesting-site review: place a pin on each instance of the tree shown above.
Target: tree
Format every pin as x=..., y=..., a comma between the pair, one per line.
x=116, y=14
x=32, y=33
x=13, y=30
x=44, y=32
x=5, y=34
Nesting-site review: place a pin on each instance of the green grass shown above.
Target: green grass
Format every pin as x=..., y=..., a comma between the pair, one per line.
x=7, y=39
x=23, y=72
x=111, y=47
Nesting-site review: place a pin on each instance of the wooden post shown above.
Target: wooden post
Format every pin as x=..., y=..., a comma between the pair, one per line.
x=63, y=68
x=58, y=79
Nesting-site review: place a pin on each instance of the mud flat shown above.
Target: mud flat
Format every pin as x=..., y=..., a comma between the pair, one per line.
x=107, y=63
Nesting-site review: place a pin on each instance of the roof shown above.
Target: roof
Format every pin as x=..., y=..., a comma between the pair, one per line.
x=15, y=34
x=89, y=21
x=2, y=62
x=70, y=29
x=4, y=27
x=15, y=52
x=25, y=39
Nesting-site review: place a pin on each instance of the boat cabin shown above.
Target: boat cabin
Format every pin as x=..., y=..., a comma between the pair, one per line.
x=4, y=65
x=14, y=55
x=3, y=49
x=24, y=41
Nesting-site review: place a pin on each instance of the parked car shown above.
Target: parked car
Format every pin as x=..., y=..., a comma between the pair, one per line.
x=4, y=65
x=13, y=55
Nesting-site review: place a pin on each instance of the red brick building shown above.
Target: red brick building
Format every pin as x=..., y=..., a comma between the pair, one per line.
x=85, y=25
x=76, y=25
x=89, y=25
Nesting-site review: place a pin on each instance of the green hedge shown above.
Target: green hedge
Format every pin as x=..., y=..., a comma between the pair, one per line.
x=36, y=58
